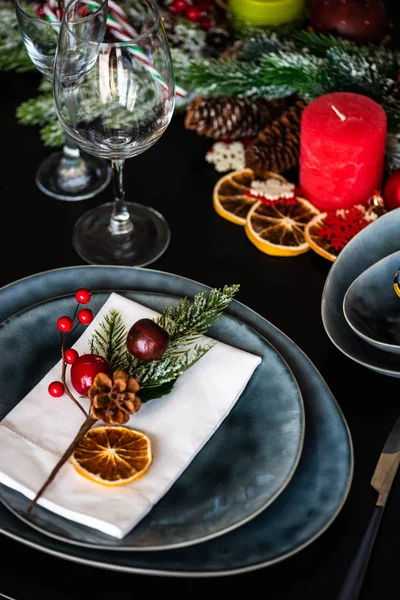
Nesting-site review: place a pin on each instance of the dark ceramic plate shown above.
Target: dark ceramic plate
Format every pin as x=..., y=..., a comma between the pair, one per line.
x=242, y=469
x=370, y=245
x=305, y=509
x=372, y=307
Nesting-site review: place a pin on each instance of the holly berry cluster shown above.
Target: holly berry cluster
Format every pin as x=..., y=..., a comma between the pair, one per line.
x=197, y=11
x=146, y=341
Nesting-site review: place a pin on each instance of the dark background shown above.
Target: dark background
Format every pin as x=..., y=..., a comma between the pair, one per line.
x=173, y=177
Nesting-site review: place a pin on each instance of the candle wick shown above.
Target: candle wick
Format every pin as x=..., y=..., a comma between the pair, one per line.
x=341, y=116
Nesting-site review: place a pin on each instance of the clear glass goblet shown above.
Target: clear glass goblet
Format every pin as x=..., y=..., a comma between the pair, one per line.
x=65, y=174
x=116, y=99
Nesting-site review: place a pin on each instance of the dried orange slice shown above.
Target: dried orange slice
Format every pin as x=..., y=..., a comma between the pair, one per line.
x=113, y=455
x=278, y=229
x=316, y=242
x=230, y=197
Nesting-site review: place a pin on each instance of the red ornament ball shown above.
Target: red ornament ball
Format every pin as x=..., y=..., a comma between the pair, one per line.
x=85, y=316
x=70, y=356
x=83, y=296
x=147, y=341
x=56, y=389
x=362, y=21
x=85, y=368
x=65, y=324
x=193, y=14
x=178, y=7
x=391, y=191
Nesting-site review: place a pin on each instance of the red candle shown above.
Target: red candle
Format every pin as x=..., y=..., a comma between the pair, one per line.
x=342, y=150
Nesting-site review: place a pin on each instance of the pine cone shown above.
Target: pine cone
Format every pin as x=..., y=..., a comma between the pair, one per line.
x=232, y=118
x=277, y=147
x=113, y=400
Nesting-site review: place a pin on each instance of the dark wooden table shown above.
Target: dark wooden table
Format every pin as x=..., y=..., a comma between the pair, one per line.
x=174, y=178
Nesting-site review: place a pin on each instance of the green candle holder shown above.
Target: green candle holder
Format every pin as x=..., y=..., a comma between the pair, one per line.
x=247, y=17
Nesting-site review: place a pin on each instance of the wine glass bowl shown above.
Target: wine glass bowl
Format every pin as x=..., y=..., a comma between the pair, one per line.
x=115, y=99
x=65, y=174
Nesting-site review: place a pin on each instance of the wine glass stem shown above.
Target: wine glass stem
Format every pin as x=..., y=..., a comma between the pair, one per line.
x=120, y=222
x=72, y=166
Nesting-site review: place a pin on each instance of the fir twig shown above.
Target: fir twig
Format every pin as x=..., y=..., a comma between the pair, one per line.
x=186, y=324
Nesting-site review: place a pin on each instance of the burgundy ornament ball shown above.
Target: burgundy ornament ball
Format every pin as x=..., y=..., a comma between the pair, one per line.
x=362, y=21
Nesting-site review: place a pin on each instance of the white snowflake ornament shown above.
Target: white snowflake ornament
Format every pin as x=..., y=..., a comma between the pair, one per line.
x=272, y=189
x=227, y=157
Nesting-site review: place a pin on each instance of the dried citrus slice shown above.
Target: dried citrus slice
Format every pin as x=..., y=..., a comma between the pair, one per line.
x=230, y=196
x=113, y=455
x=278, y=229
x=316, y=242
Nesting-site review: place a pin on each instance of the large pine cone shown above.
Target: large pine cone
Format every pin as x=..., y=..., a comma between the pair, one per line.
x=114, y=400
x=232, y=118
x=277, y=147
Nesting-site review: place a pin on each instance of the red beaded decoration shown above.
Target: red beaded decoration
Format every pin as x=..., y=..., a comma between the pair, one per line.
x=56, y=389
x=85, y=316
x=83, y=296
x=70, y=356
x=65, y=324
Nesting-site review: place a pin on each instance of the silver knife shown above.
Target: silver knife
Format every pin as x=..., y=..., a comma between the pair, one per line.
x=382, y=479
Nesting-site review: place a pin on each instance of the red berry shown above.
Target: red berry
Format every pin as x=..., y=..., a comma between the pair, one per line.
x=178, y=7
x=56, y=389
x=85, y=368
x=65, y=324
x=39, y=12
x=206, y=23
x=85, y=316
x=70, y=356
x=193, y=14
x=391, y=191
x=83, y=295
x=204, y=6
x=147, y=341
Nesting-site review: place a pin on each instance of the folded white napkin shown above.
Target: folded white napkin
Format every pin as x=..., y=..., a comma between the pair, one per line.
x=37, y=431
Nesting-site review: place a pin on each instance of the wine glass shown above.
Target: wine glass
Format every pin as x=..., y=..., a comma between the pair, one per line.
x=116, y=99
x=65, y=174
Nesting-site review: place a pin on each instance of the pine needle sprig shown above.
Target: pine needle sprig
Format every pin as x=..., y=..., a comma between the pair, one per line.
x=110, y=340
x=186, y=323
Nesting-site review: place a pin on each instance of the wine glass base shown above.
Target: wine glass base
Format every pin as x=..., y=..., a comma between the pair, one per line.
x=94, y=243
x=75, y=179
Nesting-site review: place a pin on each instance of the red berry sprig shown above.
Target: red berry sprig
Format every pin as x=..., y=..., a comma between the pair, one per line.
x=196, y=11
x=65, y=325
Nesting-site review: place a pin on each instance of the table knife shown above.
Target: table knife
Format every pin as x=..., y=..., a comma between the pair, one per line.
x=382, y=479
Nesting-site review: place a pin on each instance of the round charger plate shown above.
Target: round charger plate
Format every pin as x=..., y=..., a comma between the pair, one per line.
x=370, y=245
x=305, y=509
x=371, y=306
x=244, y=466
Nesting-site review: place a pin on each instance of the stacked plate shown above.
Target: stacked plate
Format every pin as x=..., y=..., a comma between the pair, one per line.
x=360, y=307
x=270, y=480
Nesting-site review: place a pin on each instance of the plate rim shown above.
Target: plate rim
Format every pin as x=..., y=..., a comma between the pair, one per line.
x=218, y=572
x=194, y=541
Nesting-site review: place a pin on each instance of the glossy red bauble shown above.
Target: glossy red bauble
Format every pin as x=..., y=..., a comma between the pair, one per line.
x=83, y=295
x=70, y=356
x=85, y=368
x=193, y=14
x=147, y=341
x=362, y=21
x=65, y=324
x=85, y=316
x=391, y=191
x=56, y=389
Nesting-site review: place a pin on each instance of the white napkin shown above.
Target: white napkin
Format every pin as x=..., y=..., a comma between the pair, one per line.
x=37, y=431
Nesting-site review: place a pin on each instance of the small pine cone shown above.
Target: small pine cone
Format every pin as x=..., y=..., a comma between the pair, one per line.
x=114, y=400
x=277, y=147
x=232, y=118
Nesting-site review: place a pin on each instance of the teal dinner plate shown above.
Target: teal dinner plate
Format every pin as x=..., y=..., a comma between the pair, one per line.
x=303, y=510
x=244, y=466
x=381, y=238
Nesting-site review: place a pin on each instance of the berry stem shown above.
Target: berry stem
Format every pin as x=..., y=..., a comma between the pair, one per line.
x=63, y=379
x=87, y=424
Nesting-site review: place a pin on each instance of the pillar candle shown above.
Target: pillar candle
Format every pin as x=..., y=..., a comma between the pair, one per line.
x=266, y=12
x=342, y=150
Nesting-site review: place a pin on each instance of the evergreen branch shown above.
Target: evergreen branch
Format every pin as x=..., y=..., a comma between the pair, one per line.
x=13, y=55
x=185, y=323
